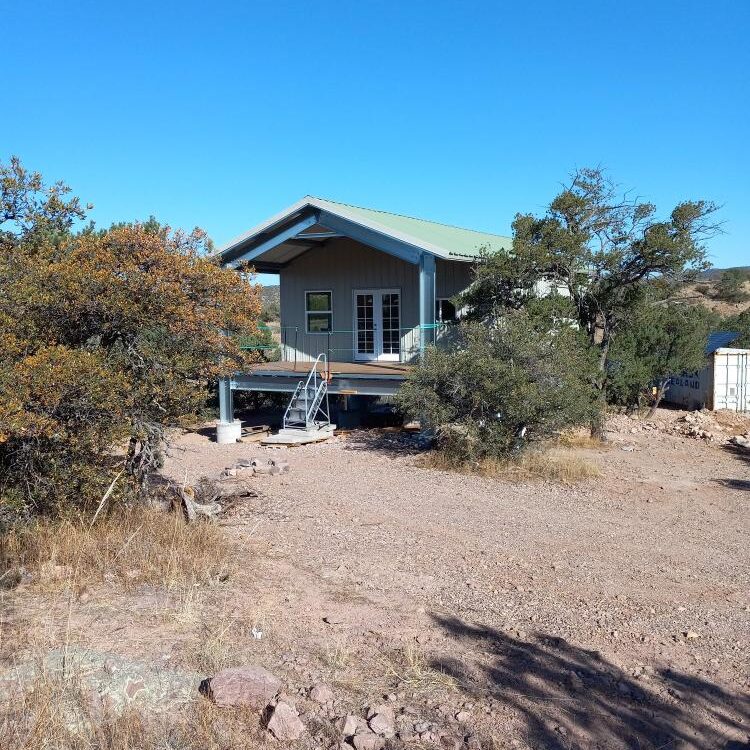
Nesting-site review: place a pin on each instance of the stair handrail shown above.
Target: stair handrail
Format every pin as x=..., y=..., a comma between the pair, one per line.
x=313, y=375
x=318, y=383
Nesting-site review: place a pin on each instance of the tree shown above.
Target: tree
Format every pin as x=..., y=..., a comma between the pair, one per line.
x=731, y=285
x=660, y=340
x=108, y=338
x=741, y=324
x=602, y=248
x=497, y=390
x=271, y=312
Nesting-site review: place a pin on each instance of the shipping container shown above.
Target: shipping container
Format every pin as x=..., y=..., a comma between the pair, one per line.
x=724, y=383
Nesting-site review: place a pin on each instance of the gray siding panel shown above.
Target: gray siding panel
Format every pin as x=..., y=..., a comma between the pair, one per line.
x=452, y=277
x=341, y=266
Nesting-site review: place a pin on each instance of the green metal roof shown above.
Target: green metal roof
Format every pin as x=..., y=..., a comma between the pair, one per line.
x=404, y=236
x=453, y=241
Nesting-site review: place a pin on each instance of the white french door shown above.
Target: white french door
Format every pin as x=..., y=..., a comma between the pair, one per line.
x=377, y=325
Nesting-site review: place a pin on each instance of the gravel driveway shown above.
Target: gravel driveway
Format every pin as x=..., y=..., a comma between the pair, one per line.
x=611, y=613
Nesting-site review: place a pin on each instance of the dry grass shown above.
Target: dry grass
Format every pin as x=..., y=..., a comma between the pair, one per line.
x=410, y=668
x=133, y=546
x=580, y=439
x=214, y=648
x=558, y=465
x=550, y=464
x=53, y=712
x=337, y=654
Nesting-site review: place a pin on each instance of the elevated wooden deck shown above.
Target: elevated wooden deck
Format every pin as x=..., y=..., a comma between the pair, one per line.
x=367, y=369
x=347, y=378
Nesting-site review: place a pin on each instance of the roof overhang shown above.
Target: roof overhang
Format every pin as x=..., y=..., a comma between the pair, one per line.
x=276, y=242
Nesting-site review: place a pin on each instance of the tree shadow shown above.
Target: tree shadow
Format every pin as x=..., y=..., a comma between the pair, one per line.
x=387, y=441
x=735, y=484
x=570, y=697
x=743, y=456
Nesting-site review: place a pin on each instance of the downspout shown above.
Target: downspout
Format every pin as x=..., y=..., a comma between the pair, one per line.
x=426, y=300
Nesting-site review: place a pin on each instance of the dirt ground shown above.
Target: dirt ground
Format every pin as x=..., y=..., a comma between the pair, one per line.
x=610, y=613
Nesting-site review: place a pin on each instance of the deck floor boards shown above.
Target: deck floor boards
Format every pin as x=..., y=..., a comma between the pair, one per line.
x=374, y=369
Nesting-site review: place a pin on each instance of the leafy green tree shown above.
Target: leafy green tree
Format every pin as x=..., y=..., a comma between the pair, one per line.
x=731, y=285
x=107, y=338
x=661, y=339
x=602, y=247
x=500, y=388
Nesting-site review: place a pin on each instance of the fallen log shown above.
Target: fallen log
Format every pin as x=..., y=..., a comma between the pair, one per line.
x=193, y=509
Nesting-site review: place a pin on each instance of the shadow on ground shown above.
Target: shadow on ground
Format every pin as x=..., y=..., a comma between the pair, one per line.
x=743, y=457
x=387, y=441
x=735, y=484
x=568, y=697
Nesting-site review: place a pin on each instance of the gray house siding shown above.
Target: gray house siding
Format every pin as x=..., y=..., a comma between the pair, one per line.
x=341, y=266
x=451, y=277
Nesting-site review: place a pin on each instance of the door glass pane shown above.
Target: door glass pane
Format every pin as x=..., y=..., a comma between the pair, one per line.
x=391, y=334
x=365, y=324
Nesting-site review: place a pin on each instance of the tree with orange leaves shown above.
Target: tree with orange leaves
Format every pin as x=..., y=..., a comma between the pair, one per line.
x=107, y=338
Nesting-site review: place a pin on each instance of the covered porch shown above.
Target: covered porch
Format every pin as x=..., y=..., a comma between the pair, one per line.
x=346, y=289
x=361, y=288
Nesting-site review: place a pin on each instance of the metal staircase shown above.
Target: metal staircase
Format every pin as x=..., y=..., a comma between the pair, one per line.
x=308, y=408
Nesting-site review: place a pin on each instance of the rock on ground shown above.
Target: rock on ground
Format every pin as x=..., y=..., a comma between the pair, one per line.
x=381, y=720
x=321, y=693
x=242, y=686
x=284, y=723
x=367, y=741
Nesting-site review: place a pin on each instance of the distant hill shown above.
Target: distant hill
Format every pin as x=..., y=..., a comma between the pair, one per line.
x=713, y=274
x=270, y=295
x=271, y=303
x=704, y=292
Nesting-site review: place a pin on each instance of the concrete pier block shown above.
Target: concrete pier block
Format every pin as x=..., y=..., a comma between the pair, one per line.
x=228, y=432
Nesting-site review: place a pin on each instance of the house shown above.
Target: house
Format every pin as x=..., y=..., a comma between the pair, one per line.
x=365, y=290
x=724, y=383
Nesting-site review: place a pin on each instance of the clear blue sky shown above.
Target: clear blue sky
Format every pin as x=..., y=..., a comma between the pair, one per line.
x=220, y=114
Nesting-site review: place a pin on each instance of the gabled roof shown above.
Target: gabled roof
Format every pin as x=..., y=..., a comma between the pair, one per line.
x=318, y=219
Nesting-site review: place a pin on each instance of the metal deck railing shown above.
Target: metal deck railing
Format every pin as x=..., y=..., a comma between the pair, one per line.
x=298, y=345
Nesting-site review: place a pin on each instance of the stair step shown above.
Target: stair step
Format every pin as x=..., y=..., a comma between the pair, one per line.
x=305, y=404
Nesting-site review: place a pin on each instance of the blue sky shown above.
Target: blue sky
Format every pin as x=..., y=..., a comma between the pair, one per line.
x=220, y=114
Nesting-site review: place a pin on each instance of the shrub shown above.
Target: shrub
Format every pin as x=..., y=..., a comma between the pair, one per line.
x=660, y=340
x=106, y=339
x=731, y=286
x=500, y=388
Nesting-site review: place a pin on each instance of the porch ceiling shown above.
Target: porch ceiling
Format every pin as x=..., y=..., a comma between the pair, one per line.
x=285, y=252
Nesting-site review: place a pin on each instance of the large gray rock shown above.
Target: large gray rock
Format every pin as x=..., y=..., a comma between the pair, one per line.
x=242, y=686
x=110, y=684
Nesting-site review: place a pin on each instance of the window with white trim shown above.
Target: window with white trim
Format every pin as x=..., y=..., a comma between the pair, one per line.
x=319, y=311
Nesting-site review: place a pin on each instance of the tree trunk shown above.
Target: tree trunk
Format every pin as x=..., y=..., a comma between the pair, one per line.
x=660, y=391
x=597, y=421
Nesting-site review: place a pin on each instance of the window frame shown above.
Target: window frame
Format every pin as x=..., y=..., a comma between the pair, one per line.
x=329, y=292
